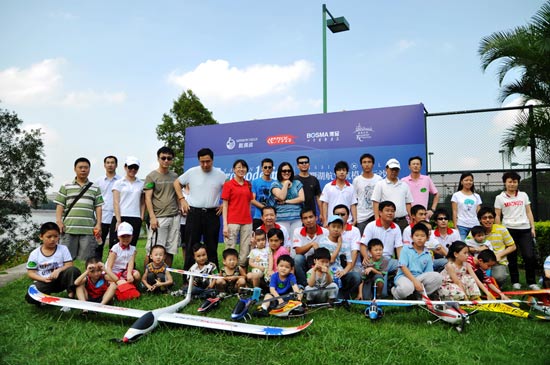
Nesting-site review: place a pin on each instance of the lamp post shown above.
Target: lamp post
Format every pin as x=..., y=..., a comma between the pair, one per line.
x=430, y=154
x=502, y=155
x=335, y=25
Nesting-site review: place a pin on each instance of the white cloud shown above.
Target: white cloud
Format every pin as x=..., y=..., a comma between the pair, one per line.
x=507, y=118
x=42, y=83
x=216, y=80
x=49, y=135
x=405, y=44
x=34, y=84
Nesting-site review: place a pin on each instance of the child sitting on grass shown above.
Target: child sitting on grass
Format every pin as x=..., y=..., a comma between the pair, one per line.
x=546, y=277
x=156, y=277
x=202, y=287
x=319, y=277
x=281, y=282
x=373, y=272
x=122, y=256
x=93, y=286
x=276, y=238
x=485, y=260
x=50, y=266
x=415, y=273
x=260, y=260
x=232, y=279
x=459, y=279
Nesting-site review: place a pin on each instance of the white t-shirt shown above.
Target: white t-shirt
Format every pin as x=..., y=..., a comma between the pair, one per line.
x=514, y=213
x=398, y=193
x=333, y=195
x=301, y=238
x=123, y=257
x=391, y=237
x=205, y=188
x=363, y=189
x=106, y=186
x=130, y=196
x=466, y=208
x=45, y=265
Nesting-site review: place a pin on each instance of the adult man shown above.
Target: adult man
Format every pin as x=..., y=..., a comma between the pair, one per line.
x=203, y=206
x=304, y=241
x=75, y=217
x=105, y=184
x=338, y=191
x=350, y=235
x=364, y=186
x=162, y=206
x=311, y=186
x=394, y=190
x=269, y=220
x=261, y=188
x=421, y=186
x=386, y=231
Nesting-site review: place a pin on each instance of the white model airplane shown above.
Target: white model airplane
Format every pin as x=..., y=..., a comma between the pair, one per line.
x=148, y=320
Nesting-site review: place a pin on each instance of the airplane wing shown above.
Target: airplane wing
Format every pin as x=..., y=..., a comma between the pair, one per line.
x=222, y=324
x=404, y=303
x=528, y=292
x=190, y=273
x=79, y=304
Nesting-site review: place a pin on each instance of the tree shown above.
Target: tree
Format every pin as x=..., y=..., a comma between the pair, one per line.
x=22, y=177
x=187, y=111
x=525, y=49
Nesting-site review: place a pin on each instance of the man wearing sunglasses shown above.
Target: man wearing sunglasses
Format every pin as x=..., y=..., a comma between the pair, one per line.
x=260, y=188
x=311, y=186
x=162, y=205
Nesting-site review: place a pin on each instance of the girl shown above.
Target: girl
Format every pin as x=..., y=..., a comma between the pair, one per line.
x=93, y=286
x=259, y=260
x=276, y=238
x=289, y=196
x=122, y=256
x=237, y=219
x=465, y=203
x=459, y=279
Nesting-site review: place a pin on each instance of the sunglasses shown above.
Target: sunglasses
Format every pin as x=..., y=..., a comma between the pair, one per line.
x=303, y=162
x=286, y=171
x=442, y=219
x=267, y=167
x=133, y=167
x=164, y=158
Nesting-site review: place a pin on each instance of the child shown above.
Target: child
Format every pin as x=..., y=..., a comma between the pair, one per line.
x=155, y=277
x=232, y=279
x=481, y=265
x=276, y=238
x=320, y=277
x=373, y=272
x=546, y=278
x=93, y=285
x=281, y=282
x=122, y=256
x=260, y=259
x=459, y=279
x=479, y=242
x=415, y=271
x=202, y=287
x=50, y=266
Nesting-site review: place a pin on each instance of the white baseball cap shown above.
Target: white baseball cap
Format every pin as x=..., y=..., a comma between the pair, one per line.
x=393, y=164
x=125, y=228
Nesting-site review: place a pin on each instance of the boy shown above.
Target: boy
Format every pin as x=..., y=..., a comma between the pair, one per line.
x=260, y=259
x=202, y=287
x=485, y=260
x=320, y=277
x=479, y=242
x=93, y=286
x=415, y=273
x=374, y=271
x=156, y=278
x=338, y=191
x=546, y=278
x=281, y=282
x=232, y=279
x=50, y=266
x=418, y=214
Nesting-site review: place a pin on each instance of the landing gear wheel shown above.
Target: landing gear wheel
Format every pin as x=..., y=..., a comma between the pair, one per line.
x=429, y=322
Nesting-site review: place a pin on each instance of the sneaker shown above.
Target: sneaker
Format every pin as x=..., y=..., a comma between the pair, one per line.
x=534, y=287
x=516, y=286
x=178, y=293
x=65, y=309
x=260, y=313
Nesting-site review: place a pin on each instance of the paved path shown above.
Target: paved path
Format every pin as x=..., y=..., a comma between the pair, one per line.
x=12, y=274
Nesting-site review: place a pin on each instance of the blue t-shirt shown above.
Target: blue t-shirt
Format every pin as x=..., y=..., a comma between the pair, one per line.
x=261, y=188
x=288, y=212
x=282, y=286
x=417, y=263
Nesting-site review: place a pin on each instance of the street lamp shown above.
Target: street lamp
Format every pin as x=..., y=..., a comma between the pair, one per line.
x=336, y=25
x=502, y=155
x=430, y=154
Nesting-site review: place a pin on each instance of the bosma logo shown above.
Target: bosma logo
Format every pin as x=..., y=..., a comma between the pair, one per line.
x=280, y=139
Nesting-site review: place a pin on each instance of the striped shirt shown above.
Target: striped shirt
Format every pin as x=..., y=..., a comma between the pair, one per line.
x=81, y=218
x=500, y=239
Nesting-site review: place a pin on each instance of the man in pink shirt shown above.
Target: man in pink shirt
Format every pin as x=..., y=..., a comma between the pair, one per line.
x=421, y=186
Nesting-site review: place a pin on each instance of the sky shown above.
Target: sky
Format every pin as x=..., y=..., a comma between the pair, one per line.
x=97, y=76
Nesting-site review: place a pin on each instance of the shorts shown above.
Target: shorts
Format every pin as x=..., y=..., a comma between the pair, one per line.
x=167, y=235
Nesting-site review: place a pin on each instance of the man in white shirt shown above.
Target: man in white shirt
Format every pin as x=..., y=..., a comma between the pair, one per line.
x=364, y=186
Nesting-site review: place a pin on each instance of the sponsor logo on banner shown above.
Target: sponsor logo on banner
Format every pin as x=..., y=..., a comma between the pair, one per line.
x=363, y=133
x=240, y=143
x=323, y=136
x=280, y=139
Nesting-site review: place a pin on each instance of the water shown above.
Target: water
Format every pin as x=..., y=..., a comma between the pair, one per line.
x=40, y=216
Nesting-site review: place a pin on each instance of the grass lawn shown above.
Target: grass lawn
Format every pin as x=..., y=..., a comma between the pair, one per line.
x=48, y=336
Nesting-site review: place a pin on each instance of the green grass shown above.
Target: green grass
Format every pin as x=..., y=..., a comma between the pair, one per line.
x=32, y=334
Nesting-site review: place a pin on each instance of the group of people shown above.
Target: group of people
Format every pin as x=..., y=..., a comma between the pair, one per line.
x=350, y=239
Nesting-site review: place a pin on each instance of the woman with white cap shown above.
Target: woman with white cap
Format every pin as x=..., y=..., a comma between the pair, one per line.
x=128, y=201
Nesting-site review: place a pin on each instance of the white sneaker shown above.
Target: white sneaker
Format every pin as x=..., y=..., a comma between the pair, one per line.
x=65, y=309
x=516, y=286
x=534, y=287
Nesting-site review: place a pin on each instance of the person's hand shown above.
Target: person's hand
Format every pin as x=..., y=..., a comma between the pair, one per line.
x=418, y=286
x=225, y=232
x=154, y=224
x=54, y=274
x=130, y=278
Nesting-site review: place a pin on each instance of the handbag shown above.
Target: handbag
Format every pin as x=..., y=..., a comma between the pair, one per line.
x=126, y=291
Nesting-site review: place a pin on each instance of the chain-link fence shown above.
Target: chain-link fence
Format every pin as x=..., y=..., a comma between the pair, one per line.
x=470, y=141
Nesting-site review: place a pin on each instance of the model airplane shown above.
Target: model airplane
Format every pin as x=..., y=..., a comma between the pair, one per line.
x=148, y=320
x=539, y=300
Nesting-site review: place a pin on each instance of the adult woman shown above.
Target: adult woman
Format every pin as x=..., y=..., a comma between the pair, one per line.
x=465, y=203
x=289, y=196
x=237, y=219
x=517, y=217
x=128, y=201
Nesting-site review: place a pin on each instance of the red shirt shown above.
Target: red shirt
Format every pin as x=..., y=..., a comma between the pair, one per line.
x=238, y=199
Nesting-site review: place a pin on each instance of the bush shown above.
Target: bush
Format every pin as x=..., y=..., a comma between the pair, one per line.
x=543, y=239
x=17, y=232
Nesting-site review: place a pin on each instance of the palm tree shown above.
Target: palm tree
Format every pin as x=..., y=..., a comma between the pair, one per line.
x=525, y=49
